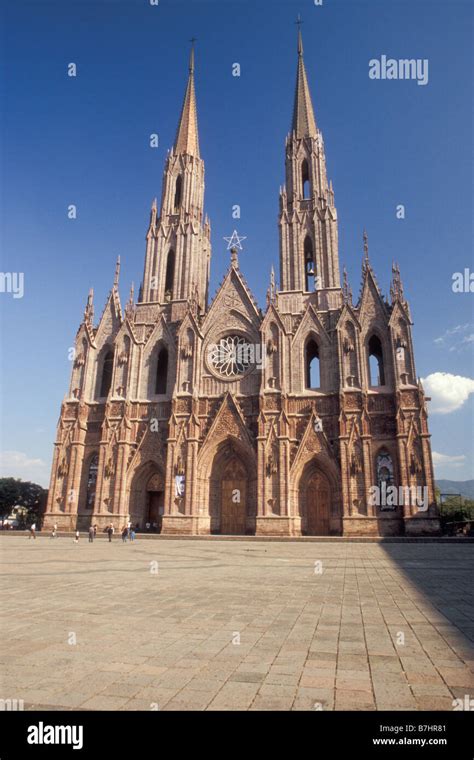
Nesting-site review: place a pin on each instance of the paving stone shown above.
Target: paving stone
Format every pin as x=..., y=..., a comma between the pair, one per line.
x=306, y=640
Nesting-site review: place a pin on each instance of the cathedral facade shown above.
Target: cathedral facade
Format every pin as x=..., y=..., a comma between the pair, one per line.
x=191, y=416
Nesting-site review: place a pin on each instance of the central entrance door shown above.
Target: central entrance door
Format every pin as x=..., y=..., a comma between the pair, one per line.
x=233, y=498
x=156, y=502
x=317, y=505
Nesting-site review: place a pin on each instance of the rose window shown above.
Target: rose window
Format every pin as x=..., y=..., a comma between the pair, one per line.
x=231, y=356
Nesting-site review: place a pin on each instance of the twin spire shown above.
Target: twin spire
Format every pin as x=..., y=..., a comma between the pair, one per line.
x=304, y=123
x=187, y=138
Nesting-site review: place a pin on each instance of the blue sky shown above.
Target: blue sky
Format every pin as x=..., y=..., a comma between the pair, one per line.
x=85, y=141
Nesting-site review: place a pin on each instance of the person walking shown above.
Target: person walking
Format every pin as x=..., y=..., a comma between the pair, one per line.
x=54, y=531
x=91, y=534
x=132, y=533
x=76, y=539
x=32, y=531
x=124, y=534
x=110, y=532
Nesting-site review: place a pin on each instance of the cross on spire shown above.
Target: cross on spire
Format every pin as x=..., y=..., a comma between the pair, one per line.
x=298, y=23
x=191, y=55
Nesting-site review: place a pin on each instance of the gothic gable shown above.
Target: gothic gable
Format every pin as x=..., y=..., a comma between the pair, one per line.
x=371, y=306
x=111, y=319
x=310, y=322
x=233, y=304
x=227, y=422
x=313, y=442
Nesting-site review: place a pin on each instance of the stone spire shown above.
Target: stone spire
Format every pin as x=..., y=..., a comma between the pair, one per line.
x=346, y=288
x=187, y=140
x=304, y=123
x=117, y=273
x=130, y=303
x=89, y=310
x=365, y=261
x=396, y=287
x=271, y=292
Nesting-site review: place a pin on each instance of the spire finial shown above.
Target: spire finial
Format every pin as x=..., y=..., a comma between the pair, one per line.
x=89, y=310
x=271, y=292
x=117, y=272
x=187, y=140
x=191, y=55
x=234, y=257
x=298, y=23
x=304, y=123
x=396, y=287
x=366, y=246
x=346, y=288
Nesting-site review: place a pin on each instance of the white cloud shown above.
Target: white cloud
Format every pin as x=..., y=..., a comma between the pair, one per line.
x=17, y=464
x=448, y=461
x=452, y=338
x=448, y=392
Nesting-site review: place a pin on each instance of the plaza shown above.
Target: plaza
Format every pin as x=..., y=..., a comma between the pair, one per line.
x=247, y=624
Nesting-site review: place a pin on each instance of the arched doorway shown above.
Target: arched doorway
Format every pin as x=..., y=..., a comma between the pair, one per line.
x=318, y=502
x=155, y=494
x=233, y=497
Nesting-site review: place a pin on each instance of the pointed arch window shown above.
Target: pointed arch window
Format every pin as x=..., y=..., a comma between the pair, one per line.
x=309, y=268
x=107, y=370
x=161, y=371
x=306, y=185
x=312, y=368
x=92, y=481
x=169, y=277
x=384, y=468
x=376, y=362
x=178, y=194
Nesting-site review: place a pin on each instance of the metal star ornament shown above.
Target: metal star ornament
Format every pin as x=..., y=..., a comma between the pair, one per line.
x=234, y=241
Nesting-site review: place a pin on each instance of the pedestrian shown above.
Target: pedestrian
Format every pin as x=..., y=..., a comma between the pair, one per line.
x=76, y=539
x=91, y=534
x=110, y=532
x=132, y=534
x=124, y=534
x=32, y=531
x=53, y=531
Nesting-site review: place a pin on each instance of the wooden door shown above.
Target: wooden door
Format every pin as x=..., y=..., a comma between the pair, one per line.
x=233, y=499
x=317, y=506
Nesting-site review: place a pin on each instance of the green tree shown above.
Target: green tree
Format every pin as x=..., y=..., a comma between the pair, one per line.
x=18, y=493
x=9, y=495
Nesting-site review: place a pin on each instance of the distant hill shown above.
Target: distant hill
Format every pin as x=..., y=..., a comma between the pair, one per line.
x=464, y=487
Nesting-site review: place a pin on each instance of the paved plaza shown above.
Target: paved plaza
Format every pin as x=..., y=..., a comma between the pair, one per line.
x=235, y=625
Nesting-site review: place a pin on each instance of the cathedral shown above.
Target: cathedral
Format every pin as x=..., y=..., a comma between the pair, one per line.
x=191, y=415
